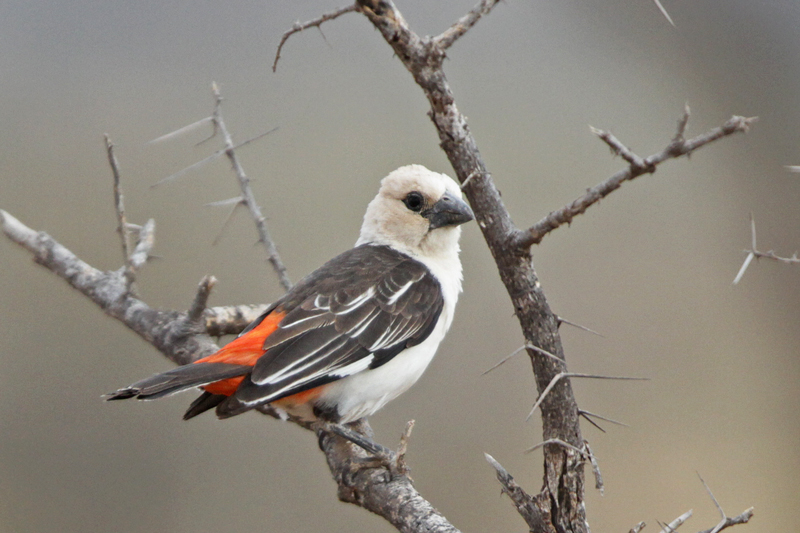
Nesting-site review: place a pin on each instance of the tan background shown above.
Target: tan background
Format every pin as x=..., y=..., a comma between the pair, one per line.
x=650, y=267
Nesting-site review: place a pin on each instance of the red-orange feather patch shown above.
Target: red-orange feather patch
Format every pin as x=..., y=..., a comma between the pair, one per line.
x=244, y=350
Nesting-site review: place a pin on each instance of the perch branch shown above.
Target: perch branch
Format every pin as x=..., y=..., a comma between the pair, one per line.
x=637, y=166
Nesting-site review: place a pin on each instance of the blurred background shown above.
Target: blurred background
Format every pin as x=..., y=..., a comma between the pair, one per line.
x=650, y=267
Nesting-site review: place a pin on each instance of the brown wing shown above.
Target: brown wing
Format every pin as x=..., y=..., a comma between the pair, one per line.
x=356, y=312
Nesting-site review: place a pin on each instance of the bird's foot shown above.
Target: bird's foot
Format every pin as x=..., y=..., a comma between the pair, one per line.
x=379, y=456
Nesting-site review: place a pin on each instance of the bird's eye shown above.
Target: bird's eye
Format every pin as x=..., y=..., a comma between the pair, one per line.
x=414, y=201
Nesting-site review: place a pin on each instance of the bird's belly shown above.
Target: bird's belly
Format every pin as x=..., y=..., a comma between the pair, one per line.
x=364, y=393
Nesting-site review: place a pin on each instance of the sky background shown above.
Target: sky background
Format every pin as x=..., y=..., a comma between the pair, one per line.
x=650, y=267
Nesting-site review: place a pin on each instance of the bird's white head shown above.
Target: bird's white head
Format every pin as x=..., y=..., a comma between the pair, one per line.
x=418, y=212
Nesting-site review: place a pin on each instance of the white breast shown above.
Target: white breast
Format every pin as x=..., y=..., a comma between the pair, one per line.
x=364, y=393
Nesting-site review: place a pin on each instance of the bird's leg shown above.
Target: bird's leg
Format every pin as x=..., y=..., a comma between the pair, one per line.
x=379, y=456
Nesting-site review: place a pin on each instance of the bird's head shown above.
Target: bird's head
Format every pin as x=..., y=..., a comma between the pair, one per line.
x=416, y=211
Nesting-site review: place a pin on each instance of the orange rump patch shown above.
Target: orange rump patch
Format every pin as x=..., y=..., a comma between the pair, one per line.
x=244, y=350
x=300, y=398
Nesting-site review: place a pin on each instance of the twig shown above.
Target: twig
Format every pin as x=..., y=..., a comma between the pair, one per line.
x=725, y=521
x=247, y=192
x=195, y=313
x=637, y=167
x=119, y=204
x=297, y=27
x=754, y=253
x=561, y=375
x=446, y=39
x=525, y=504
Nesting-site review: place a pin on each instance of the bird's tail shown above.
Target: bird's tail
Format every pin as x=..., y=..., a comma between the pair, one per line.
x=180, y=379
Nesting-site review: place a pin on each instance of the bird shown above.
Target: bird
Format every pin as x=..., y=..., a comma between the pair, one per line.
x=355, y=333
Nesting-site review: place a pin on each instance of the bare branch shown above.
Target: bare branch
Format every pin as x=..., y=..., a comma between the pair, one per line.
x=317, y=22
x=247, y=192
x=122, y=223
x=637, y=167
x=169, y=331
x=446, y=39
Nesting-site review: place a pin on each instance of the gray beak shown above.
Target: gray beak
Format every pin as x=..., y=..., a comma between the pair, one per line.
x=448, y=211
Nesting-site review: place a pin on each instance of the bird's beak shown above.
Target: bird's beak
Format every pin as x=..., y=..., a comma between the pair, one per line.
x=448, y=211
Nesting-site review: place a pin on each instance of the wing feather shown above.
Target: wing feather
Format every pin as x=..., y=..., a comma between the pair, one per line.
x=356, y=312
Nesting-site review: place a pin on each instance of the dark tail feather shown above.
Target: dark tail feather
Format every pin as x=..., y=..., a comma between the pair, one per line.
x=231, y=406
x=178, y=379
x=203, y=403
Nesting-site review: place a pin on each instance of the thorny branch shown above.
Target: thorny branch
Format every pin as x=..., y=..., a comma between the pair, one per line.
x=637, y=166
x=247, y=197
x=316, y=23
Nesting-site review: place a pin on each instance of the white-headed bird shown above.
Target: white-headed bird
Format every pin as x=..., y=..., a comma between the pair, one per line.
x=355, y=333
